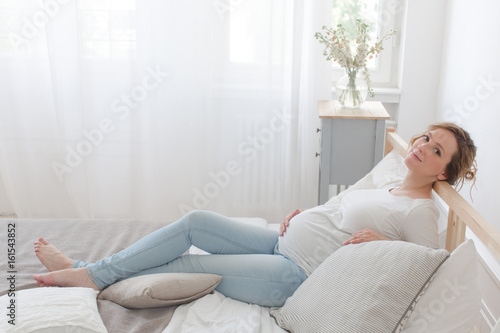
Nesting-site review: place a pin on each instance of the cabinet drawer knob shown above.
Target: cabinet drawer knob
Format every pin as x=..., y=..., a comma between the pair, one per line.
x=317, y=154
x=318, y=130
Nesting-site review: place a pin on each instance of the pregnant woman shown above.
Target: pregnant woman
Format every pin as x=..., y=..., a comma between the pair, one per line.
x=265, y=267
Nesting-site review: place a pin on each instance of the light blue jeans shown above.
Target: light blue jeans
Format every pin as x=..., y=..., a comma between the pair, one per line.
x=244, y=255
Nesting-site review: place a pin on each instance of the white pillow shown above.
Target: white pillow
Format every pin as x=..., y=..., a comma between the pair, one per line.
x=367, y=287
x=52, y=310
x=391, y=170
x=453, y=299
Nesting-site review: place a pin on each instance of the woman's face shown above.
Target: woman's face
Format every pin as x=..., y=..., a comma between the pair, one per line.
x=430, y=154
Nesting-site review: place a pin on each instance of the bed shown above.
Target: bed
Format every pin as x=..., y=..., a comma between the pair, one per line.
x=418, y=290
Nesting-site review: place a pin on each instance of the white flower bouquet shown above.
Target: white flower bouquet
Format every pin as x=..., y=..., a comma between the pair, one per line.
x=338, y=48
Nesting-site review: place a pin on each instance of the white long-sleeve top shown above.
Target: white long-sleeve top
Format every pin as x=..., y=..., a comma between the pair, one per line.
x=316, y=233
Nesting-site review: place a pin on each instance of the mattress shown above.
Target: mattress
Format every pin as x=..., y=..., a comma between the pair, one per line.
x=87, y=240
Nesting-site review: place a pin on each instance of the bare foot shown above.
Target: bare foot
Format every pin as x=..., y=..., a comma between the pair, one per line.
x=51, y=257
x=74, y=277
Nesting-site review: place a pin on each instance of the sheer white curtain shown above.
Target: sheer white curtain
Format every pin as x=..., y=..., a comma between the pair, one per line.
x=149, y=109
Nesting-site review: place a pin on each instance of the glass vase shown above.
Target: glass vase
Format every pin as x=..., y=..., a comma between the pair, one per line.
x=351, y=89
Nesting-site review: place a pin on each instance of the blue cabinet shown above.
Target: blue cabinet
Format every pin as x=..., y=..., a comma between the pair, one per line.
x=352, y=143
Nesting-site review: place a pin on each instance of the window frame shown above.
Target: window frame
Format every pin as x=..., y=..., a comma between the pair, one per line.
x=386, y=76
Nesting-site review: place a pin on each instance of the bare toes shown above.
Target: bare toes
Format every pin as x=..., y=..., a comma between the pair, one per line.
x=51, y=257
x=43, y=241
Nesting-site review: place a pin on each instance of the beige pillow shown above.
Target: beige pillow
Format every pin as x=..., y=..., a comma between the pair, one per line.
x=157, y=290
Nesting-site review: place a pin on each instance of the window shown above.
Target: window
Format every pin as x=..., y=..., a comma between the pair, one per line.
x=107, y=28
x=255, y=37
x=252, y=46
x=251, y=43
x=382, y=16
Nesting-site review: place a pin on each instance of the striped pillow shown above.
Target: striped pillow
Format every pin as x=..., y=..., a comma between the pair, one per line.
x=367, y=287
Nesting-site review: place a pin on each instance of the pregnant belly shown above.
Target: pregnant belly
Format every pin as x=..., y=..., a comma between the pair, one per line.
x=312, y=236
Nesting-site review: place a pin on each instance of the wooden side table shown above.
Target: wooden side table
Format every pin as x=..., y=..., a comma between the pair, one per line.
x=352, y=143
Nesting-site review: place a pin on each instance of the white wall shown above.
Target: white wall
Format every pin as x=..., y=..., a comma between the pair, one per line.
x=5, y=206
x=470, y=91
x=422, y=49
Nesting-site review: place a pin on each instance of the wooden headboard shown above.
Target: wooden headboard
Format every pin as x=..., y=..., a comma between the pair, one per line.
x=460, y=214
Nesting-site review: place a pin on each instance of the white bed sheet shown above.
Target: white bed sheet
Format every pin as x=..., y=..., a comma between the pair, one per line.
x=219, y=314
